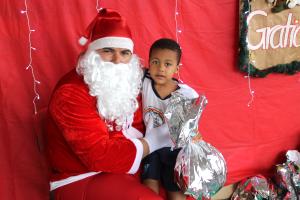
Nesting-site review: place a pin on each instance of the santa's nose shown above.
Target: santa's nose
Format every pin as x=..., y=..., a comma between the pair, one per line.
x=116, y=59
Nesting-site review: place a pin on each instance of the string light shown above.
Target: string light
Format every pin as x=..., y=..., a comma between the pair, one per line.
x=97, y=6
x=251, y=91
x=29, y=66
x=177, y=31
x=176, y=22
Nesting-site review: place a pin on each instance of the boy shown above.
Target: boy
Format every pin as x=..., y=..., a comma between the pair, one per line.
x=158, y=85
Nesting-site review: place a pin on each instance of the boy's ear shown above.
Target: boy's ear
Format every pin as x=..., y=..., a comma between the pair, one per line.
x=177, y=68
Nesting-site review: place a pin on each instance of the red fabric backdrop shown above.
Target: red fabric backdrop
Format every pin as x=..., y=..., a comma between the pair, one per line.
x=252, y=139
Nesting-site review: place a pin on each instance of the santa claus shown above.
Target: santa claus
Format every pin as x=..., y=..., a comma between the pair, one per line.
x=94, y=130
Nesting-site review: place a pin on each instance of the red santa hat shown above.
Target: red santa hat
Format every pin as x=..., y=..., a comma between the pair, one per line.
x=108, y=29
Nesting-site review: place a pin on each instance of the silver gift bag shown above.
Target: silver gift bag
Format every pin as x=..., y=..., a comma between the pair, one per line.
x=200, y=169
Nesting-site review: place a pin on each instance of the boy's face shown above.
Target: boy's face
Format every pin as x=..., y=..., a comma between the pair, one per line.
x=163, y=65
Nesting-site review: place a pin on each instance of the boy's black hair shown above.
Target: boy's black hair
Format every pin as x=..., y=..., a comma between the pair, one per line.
x=166, y=43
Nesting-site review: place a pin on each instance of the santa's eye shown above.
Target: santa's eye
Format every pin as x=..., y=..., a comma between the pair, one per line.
x=107, y=50
x=126, y=53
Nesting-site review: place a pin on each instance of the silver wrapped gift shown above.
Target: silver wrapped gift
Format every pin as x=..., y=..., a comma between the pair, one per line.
x=288, y=176
x=183, y=115
x=256, y=187
x=200, y=169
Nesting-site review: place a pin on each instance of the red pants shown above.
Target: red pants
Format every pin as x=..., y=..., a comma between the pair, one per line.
x=106, y=187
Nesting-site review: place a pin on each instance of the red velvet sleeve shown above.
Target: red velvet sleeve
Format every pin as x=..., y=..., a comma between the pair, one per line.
x=138, y=122
x=74, y=111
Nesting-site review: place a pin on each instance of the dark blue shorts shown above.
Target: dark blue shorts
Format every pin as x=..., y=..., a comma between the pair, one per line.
x=159, y=165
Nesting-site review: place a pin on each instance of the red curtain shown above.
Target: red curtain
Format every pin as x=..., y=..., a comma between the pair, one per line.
x=252, y=139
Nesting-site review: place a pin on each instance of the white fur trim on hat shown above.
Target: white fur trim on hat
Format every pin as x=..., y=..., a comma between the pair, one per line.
x=114, y=42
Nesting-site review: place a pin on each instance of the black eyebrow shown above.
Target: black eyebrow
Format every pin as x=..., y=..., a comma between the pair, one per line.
x=108, y=48
x=126, y=50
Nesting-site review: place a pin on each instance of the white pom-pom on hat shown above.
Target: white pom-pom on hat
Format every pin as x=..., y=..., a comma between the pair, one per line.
x=82, y=41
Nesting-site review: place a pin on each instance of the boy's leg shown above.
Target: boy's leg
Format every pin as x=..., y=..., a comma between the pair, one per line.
x=168, y=158
x=152, y=184
x=225, y=192
x=151, y=171
x=173, y=191
x=176, y=195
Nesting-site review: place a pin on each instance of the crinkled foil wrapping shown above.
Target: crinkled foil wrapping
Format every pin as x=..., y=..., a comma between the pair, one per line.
x=288, y=176
x=183, y=115
x=257, y=188
x=285, y=187
x=200, y=169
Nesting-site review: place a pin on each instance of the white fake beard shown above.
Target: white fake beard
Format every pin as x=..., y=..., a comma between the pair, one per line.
x=116, y=87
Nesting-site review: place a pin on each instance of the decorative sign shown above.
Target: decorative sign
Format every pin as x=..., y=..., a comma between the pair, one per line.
x=269, y=37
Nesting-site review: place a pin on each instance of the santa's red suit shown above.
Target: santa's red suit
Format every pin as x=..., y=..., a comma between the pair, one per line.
x=79, y=143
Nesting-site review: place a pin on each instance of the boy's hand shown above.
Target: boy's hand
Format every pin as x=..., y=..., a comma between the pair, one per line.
x=197, y=137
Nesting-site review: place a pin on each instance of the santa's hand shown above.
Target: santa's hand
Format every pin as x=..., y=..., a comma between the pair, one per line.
x=158, y=137
x=132, y=133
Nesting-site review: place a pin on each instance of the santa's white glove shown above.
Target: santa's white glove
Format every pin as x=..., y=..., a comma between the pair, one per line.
x=132, y=133
x=157, y=138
